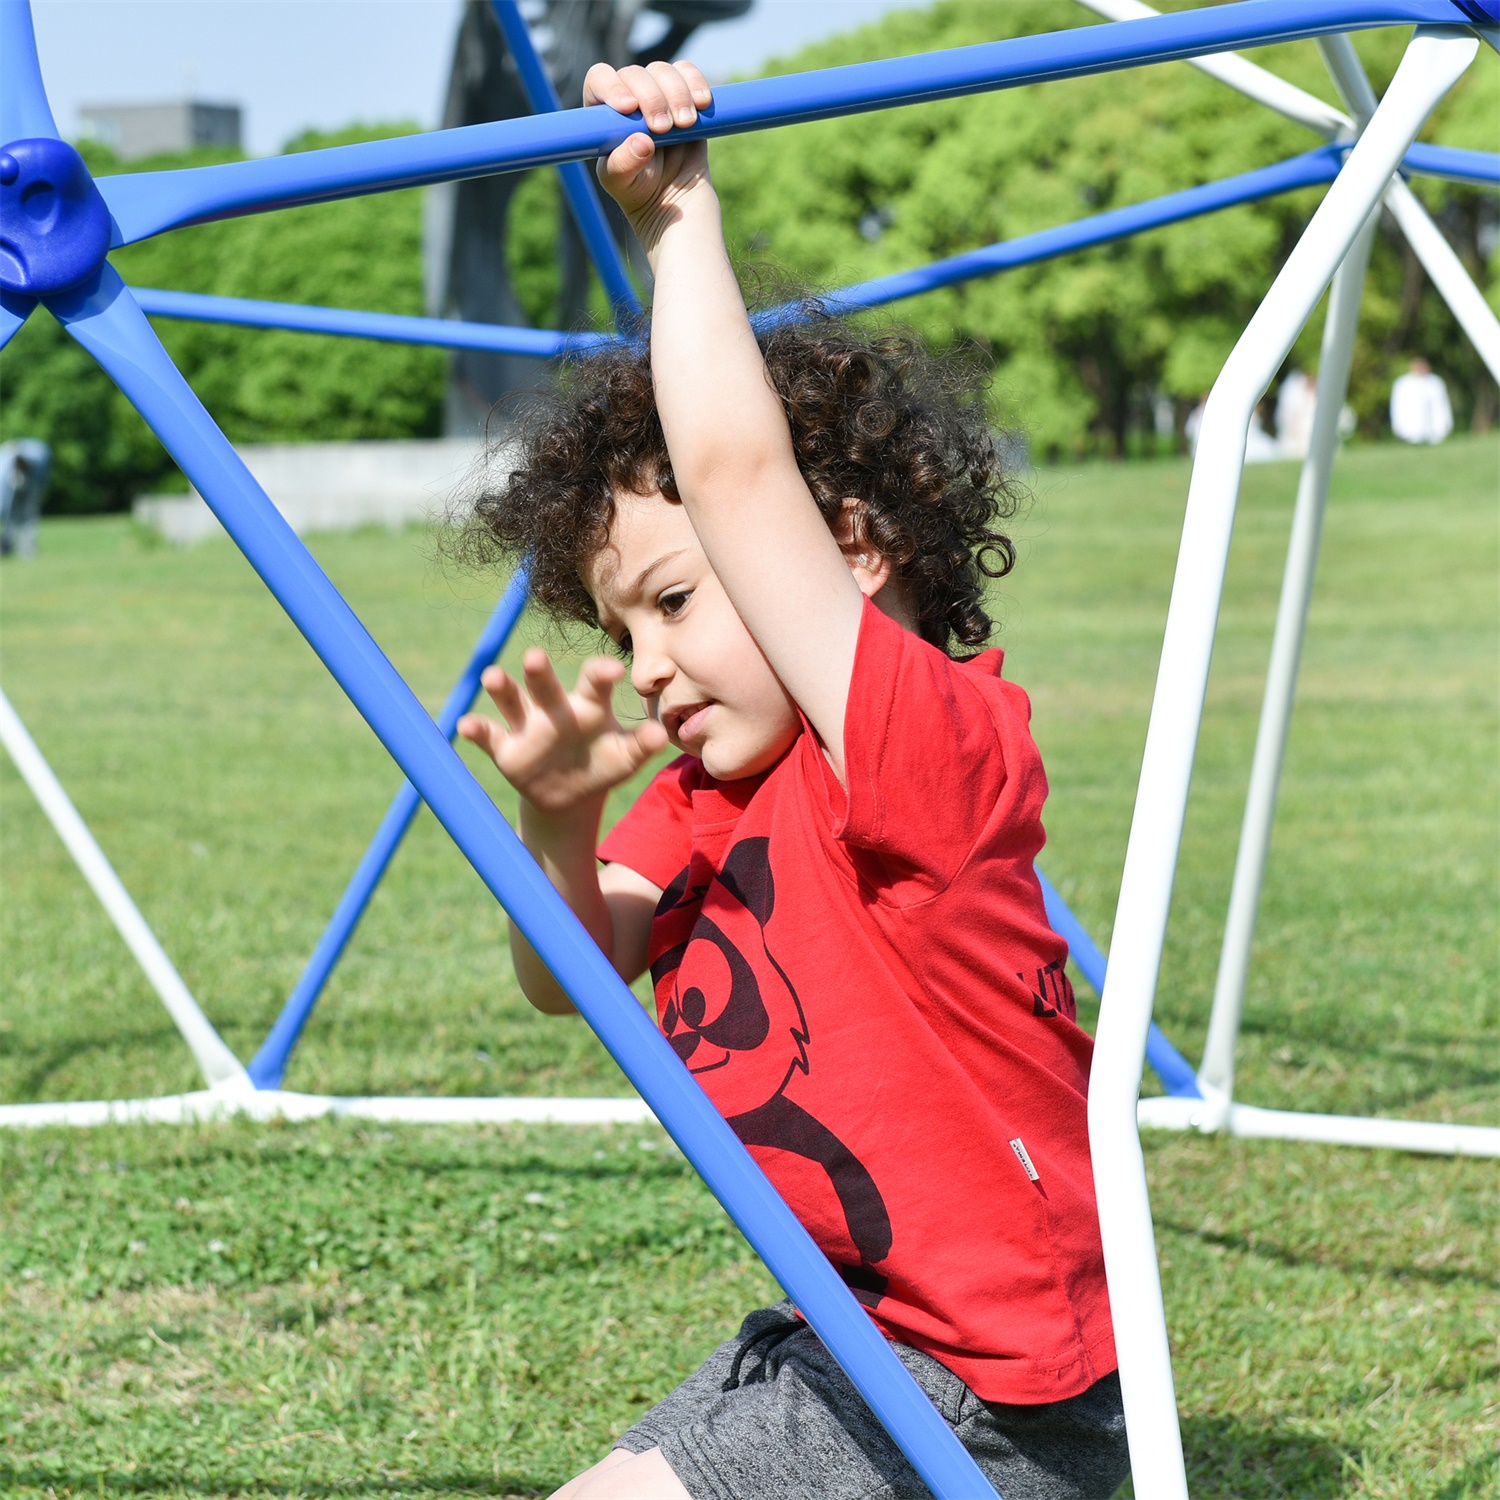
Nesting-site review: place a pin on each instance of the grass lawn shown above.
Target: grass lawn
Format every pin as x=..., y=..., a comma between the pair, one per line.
x=335, y=1311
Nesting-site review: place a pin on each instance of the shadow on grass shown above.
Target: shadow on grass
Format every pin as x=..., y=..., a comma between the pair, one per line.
x=1296, y=1259
x=40, y=1063
x=57, y=1483
x=1232, y=1459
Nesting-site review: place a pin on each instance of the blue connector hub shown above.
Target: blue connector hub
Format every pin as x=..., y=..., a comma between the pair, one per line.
x=54, y=224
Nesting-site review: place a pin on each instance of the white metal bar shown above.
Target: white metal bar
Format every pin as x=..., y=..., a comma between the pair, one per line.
x=1254, y=82
x=1429, y=1137
x=1339, y=330
x=218, y=1063
x=267, y=1104
x=1434, y=61
x=1453, y=282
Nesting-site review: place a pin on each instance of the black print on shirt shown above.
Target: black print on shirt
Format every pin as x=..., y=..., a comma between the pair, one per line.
x=1051, y=991
x=754, y=1021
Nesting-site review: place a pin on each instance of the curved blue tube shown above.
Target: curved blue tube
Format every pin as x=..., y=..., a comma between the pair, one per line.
x=14, y=311
x=146, y=203
x=268, y=1067
x=1307, y=170
x=25, y=113
x=1174, y=1070
x=104, y=319
x=582, y=196
x=1321, y=165
x=395, y=328
x=1455, y=163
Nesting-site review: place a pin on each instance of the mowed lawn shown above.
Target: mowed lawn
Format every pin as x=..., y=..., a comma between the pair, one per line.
x=339, y=1310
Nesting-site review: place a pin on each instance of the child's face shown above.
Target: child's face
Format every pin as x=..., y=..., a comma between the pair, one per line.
x=693, y=662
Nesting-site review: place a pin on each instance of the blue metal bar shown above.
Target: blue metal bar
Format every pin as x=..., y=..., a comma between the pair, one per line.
x=398, y=328
x=14, y=311
x=146, y=203
x=1308, y=170
x=577, y=184
x=25, y=113
x=1455, y=163
x=1321, y=165
x=1174, y=1070
x=104, y=319
x=268, y=1067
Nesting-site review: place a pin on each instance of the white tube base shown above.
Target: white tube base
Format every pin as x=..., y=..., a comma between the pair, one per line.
x=272, y=1104
x=1429, y=1137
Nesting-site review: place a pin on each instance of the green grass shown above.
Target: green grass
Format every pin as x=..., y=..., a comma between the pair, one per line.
x=325, y=1310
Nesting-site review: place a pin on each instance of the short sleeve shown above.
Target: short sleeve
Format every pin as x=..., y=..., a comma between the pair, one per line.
x=924, y=749
x=655, y=837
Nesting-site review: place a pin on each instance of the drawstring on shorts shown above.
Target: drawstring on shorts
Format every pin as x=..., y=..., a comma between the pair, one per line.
x=764, y=1343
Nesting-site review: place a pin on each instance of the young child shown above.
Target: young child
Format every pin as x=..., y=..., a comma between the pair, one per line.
x=833, y=885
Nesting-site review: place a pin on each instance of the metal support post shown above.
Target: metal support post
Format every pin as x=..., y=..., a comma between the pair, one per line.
x=216, y=1062
x=268, y=1066
x=1217, y=1070
x=577, y=179
x=1435, y=59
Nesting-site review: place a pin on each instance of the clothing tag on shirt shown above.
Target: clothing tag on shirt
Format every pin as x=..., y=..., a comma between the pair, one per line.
x=1024, y=1157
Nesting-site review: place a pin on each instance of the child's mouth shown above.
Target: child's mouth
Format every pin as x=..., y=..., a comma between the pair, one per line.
x=691, y=723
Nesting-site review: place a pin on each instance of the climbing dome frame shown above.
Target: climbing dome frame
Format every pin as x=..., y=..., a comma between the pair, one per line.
x=57, y=225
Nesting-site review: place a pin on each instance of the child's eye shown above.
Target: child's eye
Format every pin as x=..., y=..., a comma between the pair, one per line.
x=675, y=602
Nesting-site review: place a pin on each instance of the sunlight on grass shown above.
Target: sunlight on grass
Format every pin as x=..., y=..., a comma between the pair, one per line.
x=334, y=1311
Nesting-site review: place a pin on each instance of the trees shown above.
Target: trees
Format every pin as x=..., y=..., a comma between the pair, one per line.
x=259, y=385
x=1080, y=345
x=1083, y=348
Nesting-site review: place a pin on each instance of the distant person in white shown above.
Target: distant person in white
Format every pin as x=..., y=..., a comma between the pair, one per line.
x=1420, y=412
x=1260, y=446
x=1296, y=406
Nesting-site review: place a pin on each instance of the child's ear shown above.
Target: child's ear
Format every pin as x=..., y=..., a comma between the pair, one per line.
x=870, y=566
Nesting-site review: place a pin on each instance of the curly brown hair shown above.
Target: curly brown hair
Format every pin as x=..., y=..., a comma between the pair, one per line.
x=874, y=415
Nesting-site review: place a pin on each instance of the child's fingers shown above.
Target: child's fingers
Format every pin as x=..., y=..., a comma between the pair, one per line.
x=697, y=84
x=636, y=746
x=484, y=733
x=676, y=91
x=505, y=694
x=627, y=161
x=603, y=85
x=650, y=98
x=597, y=679
x=547, y=691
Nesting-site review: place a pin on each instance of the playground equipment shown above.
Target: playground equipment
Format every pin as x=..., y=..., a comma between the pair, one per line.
x=57, y=225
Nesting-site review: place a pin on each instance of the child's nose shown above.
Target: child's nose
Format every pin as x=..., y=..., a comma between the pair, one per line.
x=650, y=671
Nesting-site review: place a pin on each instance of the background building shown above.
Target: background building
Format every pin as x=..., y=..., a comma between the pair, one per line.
x=134, y=130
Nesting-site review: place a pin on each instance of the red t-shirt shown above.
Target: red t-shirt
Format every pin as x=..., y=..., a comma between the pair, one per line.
x=867, y=987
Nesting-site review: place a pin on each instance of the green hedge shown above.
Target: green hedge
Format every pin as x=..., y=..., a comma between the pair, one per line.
x=1082, y=347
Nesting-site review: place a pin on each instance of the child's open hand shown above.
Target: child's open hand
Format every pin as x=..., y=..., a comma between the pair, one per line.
x=644, y=181
x=560, y=750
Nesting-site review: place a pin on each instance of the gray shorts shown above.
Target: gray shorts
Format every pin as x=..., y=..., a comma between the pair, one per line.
x=771, y=1416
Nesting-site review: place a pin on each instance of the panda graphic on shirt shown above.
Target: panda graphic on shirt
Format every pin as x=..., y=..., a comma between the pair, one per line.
x=737, y=1023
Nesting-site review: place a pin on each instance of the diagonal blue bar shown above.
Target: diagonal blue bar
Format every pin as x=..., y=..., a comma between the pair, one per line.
x=396, y=328
x=106, y=321
x=268, y=1067
x=25, y=113
x=146, y=203
x=1307, y=170
x=1174, y=1070
x=583, y=199
x=1455, y=163
x=14, y=311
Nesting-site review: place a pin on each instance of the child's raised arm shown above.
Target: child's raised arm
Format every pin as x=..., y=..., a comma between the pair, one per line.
x=726, y=431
